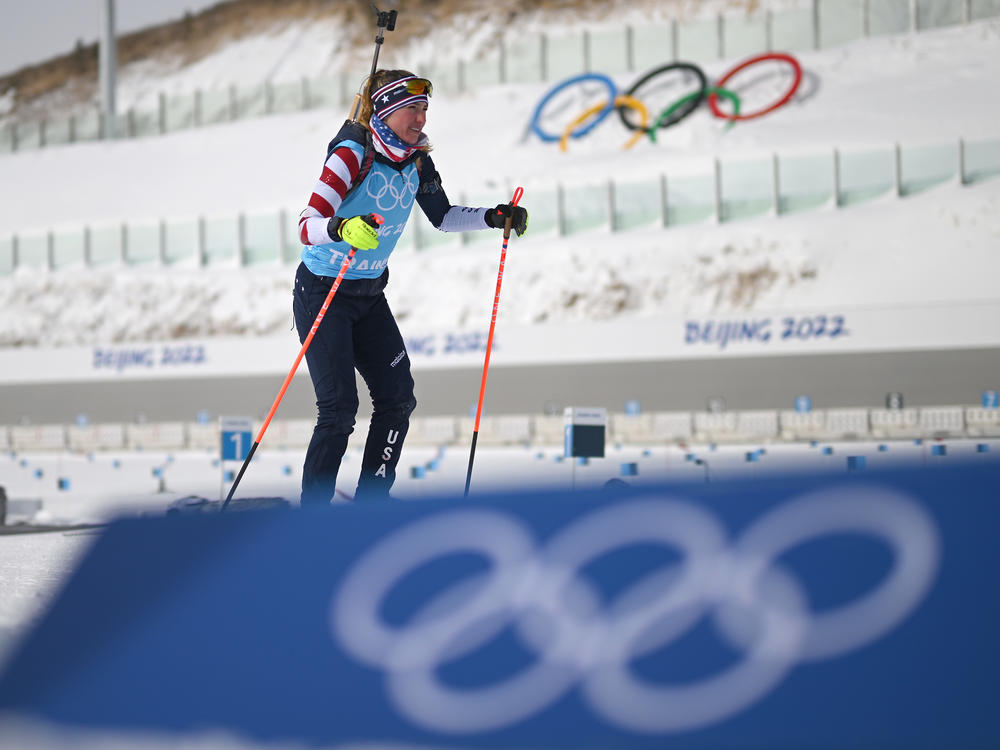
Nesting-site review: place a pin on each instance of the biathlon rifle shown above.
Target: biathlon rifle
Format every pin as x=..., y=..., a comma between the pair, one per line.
x=386, y=21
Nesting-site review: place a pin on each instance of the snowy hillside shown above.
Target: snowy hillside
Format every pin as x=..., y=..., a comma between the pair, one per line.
x=934, y=248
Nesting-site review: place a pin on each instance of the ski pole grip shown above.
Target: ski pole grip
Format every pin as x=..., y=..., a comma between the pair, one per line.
x=518, y=192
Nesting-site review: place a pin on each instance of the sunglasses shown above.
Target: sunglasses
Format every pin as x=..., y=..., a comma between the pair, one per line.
x=418, y=86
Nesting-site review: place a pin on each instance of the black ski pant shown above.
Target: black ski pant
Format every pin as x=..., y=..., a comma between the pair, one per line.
x=357, y=331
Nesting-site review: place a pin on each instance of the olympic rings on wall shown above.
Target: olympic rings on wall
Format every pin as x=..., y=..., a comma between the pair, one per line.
x=713, y=99
x=620, y=102
x=681, y=112
x=673, y=114
x=670, y=112
x=612, y=92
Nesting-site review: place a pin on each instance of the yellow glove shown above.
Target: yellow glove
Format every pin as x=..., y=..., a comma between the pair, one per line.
x=359, y=231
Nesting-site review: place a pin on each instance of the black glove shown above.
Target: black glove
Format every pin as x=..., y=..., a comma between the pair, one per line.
x=496, y=217
x=358, y=231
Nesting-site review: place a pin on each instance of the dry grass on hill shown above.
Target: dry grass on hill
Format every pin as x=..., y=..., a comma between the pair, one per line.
x=188, y=39
x=75, y=74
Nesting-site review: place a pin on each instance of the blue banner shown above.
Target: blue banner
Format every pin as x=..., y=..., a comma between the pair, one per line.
x=855, y=611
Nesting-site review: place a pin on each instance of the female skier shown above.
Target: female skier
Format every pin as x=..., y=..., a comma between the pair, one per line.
x=376, y=167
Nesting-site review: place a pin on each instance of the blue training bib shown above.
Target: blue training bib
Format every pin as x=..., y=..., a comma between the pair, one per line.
x=384, y=191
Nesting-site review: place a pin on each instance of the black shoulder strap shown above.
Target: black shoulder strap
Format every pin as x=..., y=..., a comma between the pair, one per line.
x=366, y=165
x=355, y=131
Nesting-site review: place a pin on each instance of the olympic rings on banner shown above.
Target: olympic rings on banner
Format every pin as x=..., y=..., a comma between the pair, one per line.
x=620, y=102
x=581, y=640
x=713, y=101
x=612, y=93
x=700, y=96
x=691, y=105
x=673, y=114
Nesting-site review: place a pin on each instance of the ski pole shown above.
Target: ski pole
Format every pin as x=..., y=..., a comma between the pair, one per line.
x=375, y=218
x=489, y=339
x=386, y=21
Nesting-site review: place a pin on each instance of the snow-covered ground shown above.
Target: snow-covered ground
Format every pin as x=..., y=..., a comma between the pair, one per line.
x=915, y=89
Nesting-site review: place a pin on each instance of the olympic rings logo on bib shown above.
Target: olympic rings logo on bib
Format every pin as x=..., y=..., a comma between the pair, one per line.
x=388, y=193
x=591, y=117
x=581, y=642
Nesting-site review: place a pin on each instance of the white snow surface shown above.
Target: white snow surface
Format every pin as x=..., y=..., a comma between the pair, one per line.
x=938, y=246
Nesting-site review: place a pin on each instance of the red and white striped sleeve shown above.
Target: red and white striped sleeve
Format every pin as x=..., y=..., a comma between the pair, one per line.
x=339, y=171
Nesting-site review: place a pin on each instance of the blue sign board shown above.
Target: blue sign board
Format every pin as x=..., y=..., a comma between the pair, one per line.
x=831, y=610
x=237, y=437
x=991, y=399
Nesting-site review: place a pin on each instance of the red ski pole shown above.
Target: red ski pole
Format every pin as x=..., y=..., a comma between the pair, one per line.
x=489, y=339
x=295, y=365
